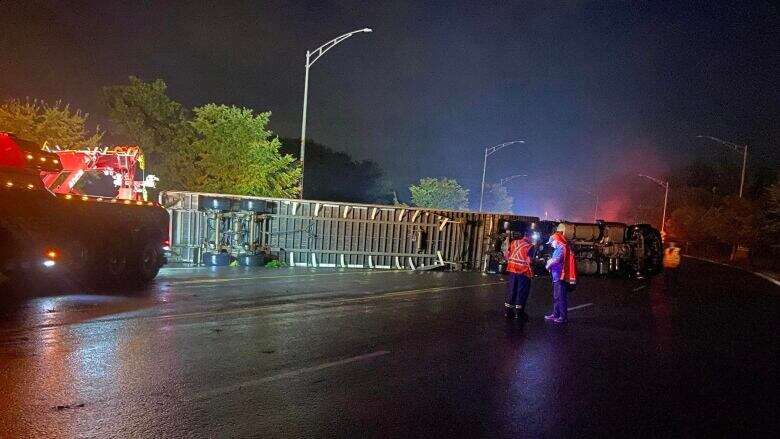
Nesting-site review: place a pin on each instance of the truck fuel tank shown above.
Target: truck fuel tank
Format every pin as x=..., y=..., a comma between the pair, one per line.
x=580, y=231
x=601, y=231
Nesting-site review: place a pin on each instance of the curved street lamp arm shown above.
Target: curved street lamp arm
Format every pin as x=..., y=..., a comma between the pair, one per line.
x=657, y=181
x=318, y=52
x=510, y=178
x=490, y=150
x=721, y=141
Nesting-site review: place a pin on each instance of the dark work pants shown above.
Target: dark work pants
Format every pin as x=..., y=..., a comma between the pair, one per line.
x=670, y=279
x=560, y=301
x=517, y=292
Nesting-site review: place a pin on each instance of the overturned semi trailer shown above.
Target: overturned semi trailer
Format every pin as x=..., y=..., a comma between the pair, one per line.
x=216, y=228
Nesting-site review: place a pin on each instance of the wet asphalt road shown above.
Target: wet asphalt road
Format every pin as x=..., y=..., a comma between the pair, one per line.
x=299, y=353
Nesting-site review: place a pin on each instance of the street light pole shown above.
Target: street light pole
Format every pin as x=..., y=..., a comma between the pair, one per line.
x=744, y=162
x=736, y=148
x=596, y=203
x=482, y=187
x=303, y=123
x=316, y=54
x=490, y=150
x=663, y=184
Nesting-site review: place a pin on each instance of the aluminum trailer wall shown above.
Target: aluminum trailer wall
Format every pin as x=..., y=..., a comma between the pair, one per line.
x=333, y=234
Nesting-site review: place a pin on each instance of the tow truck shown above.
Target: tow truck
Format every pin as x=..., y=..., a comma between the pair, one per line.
x=51, y=231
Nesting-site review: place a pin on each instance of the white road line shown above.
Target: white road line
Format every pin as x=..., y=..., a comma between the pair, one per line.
x=289, y=374
x=641, y=287
x=769, y=278
x=316, y=302
x=579, y=306
x=322, y=302
x=761, y=275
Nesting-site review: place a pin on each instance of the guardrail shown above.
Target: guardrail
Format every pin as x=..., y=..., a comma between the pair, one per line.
x=328, y=234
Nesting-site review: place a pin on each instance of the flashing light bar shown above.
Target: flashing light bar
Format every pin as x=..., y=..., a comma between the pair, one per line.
x=11, y=184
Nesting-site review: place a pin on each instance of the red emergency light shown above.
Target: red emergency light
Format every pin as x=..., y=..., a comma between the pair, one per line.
x=22, y=154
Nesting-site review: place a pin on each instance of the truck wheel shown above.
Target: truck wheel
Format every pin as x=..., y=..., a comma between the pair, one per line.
x=116, y=266
x=147, y=263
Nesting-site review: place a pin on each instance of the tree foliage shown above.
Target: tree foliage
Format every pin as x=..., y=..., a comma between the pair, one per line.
x=497, y=199
x=336, y=176
x=737, y=221
x=772, y=216
x=144, y=114
x=213, y=148
x=441, y=193
x=54, y=125
x=237, y=154
x=698, y=215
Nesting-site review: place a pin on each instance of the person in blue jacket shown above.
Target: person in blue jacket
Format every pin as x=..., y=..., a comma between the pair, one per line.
x=562, y=268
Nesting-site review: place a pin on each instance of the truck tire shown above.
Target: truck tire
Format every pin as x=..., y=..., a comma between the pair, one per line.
x=145, y=263
x=116, y=266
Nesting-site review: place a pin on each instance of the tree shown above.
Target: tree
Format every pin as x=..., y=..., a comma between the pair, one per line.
x=54, y=125
x=441, y=193
x=145, y=115
x=772, y=217
x=693, y=223
x=237, y=154
x=693, y=215
x=737, y=221
x=497, y=199
x=355, y=181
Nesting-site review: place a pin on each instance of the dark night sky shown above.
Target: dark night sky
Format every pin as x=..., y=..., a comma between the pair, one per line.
x=596, y=89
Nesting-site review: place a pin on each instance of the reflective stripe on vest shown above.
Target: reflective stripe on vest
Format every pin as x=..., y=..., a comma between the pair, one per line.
x=518, y=260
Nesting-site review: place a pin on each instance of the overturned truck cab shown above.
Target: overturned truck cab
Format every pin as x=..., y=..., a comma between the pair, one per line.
x=602, y=247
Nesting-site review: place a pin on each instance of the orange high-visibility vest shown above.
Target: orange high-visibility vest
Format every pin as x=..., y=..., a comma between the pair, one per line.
x=518, y=257
x=671, y=257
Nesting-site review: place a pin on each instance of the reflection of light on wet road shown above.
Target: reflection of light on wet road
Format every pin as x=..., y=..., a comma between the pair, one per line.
x=661, y=311
x=244, y=386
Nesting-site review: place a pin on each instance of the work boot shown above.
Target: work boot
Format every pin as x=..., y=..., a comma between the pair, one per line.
x=550, y=317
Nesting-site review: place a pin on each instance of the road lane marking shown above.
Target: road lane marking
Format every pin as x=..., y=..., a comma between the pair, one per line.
x=283, y=375
x=579, y=306
x=761, y=275
x=340, y=301
x=769, y=278
x=641, y=287
x=366, y=297
x=223, y=280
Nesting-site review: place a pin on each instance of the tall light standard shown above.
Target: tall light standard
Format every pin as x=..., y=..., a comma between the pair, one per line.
x=490, y=150
x=736, y=148
x=596, y=204
x=311, y=58
x=663, y=184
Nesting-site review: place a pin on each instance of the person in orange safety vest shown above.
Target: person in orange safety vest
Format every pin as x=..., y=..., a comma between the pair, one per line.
x=671, y=262
x=518, y=256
